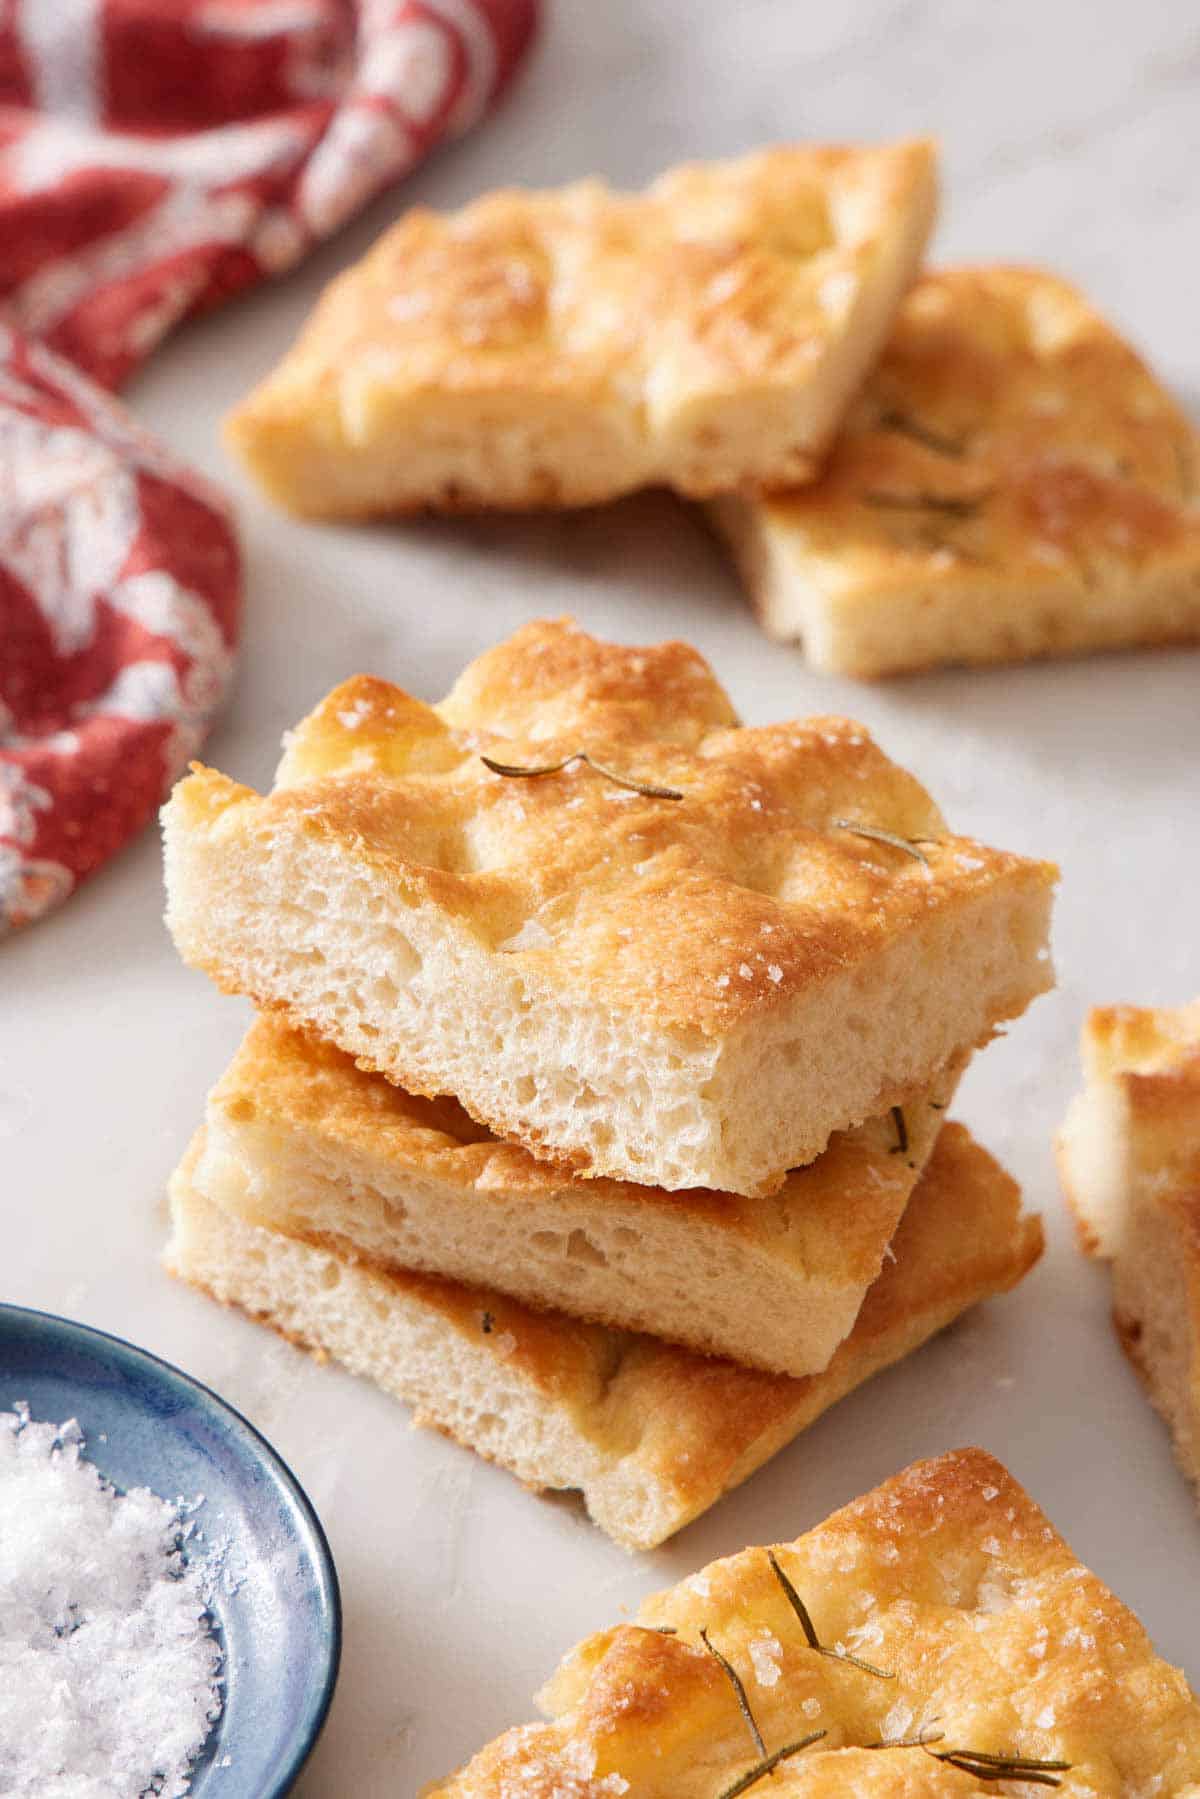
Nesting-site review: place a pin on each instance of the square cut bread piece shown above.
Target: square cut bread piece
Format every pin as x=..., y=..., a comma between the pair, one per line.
x=560, y=348
x=1012, y=482
x=1129, y=1155
x=299, y=1140
x=984, y=1650
x=691, y=983
x=650, y=1434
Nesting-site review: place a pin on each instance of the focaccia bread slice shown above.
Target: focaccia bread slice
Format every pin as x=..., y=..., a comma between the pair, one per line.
x=1013, y=482
x=1129, y=1154
x=650, y=1434
x=559, y=348
x=988, y=1660
x=299, y=1140
x=692, y=982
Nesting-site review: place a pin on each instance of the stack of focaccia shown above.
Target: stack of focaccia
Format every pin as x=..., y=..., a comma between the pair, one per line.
x=913, y=466
x=595, y=1103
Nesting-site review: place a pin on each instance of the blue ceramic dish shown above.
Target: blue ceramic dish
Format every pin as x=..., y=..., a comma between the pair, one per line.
x=147, y=1424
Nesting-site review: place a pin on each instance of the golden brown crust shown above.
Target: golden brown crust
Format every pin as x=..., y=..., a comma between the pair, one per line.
x=717, y=936
x=947, y=1577
x=830, y=1176
x=707, y=1424
x=830, y=1220
x=1008, y=441
x=1153, y=1052
x=657, y=314
x=697, y=1419
x=1148, y=1057
x=697, y=914
x=659, y=1433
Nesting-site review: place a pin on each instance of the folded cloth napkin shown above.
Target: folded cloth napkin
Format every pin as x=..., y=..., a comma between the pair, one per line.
x=155, y=157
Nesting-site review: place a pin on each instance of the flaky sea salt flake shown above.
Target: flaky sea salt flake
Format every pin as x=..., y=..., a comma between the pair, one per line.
x=109, y=1673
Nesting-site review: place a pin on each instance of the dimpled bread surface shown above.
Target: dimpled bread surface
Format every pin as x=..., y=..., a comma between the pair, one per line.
x=1012, y=482
x=946, y=1577
x=680, y=992
x=559, y=348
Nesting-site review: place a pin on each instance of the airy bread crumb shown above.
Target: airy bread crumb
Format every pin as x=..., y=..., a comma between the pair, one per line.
x=679, y=993
x=299, y=1140
x=651, y=1435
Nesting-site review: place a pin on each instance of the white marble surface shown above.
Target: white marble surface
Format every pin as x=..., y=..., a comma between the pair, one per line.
x=1071, y=134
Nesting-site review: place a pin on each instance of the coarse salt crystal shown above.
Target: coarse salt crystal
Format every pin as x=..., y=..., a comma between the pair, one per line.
x=993, y=1597
x=766, y=1653
x=109, y=1674
x=864, y=1636
x=898, y=1722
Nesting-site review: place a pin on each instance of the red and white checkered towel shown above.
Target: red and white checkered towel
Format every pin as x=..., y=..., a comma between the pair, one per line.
x=156, y=156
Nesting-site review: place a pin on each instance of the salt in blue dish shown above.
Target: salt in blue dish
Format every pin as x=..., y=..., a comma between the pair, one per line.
x=278, y=1618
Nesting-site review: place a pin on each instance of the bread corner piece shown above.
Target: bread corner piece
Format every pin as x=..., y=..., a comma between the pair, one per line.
x=1129, y=1155
x=981, y=1631
x=684, y=960
x=651, y=1435
x=560, y=348
x=1012, y=482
